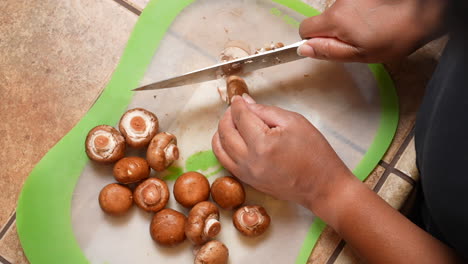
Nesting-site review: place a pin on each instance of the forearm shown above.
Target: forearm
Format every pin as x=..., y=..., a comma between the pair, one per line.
x=377, y=232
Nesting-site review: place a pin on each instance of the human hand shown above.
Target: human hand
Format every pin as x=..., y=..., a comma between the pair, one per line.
x=277, y=152
x=371, y=30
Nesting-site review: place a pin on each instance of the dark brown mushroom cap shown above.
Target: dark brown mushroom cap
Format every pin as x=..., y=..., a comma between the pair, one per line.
x=202, y=223
x=251, y=220
x=138, y=126
x=115, y=199
x=167, y=227
x=162, y=151
x=131, y=169
x=191, y=188
x=105, y=144
x=228, y=192
x=235, y=86
x=213, y=252
x=151, y=195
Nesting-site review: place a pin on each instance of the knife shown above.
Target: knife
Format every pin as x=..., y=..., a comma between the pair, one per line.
x=245, y=64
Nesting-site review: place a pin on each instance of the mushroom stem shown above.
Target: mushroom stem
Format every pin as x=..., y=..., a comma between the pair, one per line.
x=171, y=153
x=151, y=194
x=212, y=228
x=251, y=218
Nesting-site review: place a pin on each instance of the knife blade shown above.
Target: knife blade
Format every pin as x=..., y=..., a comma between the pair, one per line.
x=245, y=64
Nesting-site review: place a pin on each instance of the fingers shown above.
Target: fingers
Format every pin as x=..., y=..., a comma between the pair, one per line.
x=316, y=26
x=330, y=49
x=230, y=139
x=249, y=125
x=272, y=116
x=221, y=154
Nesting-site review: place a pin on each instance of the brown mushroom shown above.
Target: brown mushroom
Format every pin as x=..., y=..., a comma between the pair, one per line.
x=213, y=252
x=251, y=220
x=235, y=86
x=131, y=169
x=105, y=144
x=151, y=195
x=191, y=188
x=162, y=151
x=167, y=227
x=233, y=51
x=227, y=192
x=202, y=223
x=138, y=126
x=115, y=199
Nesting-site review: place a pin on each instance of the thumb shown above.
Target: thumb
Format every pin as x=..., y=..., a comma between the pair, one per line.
x=330, y=49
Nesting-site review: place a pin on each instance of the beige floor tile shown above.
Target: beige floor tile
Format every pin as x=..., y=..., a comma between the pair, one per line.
x=55, y=58
x=10, y=247
x=347, y=256
x=374, y=177
x=325, y=246
x=138, y=4
x=407, y=161
x=395, y=191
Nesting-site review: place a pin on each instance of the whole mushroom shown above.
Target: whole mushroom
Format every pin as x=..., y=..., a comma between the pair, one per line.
x=167, y=227
x=202, y=223
x=115, y=199
x=191, y=188
x=251, y=220
x=105, y=144
x=131, y=169
x=235, y=86
x=213, y=252
x=151, y=195
x=228, y=192
x=162, y=151
x=138, y=126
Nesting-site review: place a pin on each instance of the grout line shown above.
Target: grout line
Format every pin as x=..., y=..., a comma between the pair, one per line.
x=383, y=164
x=8, y=225
x=403, y=175
x=336, y=252
x=4, y=261
x=129, y=7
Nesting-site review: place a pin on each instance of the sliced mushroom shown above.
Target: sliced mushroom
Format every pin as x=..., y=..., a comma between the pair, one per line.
x=191, y=188
x=213, y=252
x=105, y=144
x=167, y=227
x=251, y=220
x=162, y=151
x=235, y=86
x=202, y=223
x=115, y=199
x=233, y=50
x=151, y=195
x=138, y=126
x=131, y=169
x=227, y=192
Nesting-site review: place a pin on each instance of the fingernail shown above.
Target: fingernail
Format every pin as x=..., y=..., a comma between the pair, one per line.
x=248, y=99
x=305, y=50
x=234, y=98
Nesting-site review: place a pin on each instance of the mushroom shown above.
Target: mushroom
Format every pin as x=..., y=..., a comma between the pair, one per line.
x=167, y=227
x=151, y=195
x=105, y=144
x=162, y=151
x=213, y=252
x=202, y=223
x=131, y=169
x=191, y=188
x=227, y=192
x=232, y=51
x=138, y=126
x=251, y=220
x=235, y=86
x=115, y=199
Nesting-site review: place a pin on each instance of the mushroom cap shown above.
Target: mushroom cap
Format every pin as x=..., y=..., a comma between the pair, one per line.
x=213, y=252
x=131, y=169
x=151, y=195
x=251, y=220
x=235, y=86
x=115, y=199
x=105, y=144
x=191, y=188
x=138, y=126
x=202, y=223
x=228, y=192
x=167, y=227
x=162, y=151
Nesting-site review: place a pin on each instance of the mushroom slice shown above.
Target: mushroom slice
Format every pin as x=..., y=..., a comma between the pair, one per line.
x=105, y=144
x=162, y=151
x=251, y=220
x=203, y=223
x=151, y=195
x=227, y=192
x=213, y=252
x=167, y=227
x=235, y=86
x=115, y=199
x=138, y=126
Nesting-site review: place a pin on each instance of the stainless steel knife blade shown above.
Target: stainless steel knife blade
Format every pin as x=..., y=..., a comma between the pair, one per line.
x=246, y=64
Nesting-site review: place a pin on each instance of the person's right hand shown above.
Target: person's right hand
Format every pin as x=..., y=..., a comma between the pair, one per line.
x=371, y=30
